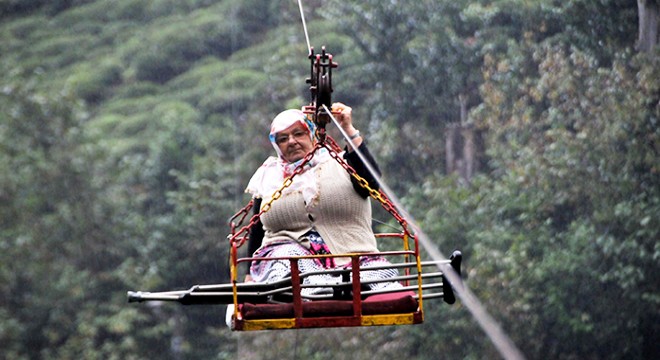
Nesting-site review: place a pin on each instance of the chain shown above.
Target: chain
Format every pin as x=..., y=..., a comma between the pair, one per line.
x=239, y=238
x=375, y=194
x=242, y=214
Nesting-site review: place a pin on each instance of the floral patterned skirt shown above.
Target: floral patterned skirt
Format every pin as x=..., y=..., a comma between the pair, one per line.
x=272, y=271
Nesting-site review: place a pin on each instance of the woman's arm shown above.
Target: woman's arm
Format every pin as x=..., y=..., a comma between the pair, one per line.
x=361, y=169
x=345, y=118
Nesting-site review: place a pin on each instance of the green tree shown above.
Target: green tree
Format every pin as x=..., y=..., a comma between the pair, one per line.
x=560, y=145
x=60, y=254
x=132, y=188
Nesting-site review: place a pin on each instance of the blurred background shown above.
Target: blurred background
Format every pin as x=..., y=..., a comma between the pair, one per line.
x=524, y=133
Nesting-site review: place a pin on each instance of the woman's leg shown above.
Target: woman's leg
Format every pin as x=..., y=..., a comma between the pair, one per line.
x=275, y=270
x=269, y=271
x=380, y=274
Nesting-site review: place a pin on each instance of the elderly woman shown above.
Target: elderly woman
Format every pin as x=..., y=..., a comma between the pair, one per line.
x=324, y=210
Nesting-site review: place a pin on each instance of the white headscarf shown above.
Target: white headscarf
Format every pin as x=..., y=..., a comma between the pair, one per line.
x=270, y=176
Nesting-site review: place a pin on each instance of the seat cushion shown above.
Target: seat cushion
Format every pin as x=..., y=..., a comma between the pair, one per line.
x=393, y=303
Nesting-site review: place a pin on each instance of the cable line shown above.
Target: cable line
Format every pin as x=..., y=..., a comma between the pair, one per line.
x=493, y=330
x=302, y=17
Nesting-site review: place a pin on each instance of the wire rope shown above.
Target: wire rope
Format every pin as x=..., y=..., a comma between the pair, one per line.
x=304, y=24
x=493, y=330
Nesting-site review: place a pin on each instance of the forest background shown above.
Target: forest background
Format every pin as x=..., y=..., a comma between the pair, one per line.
x=129, y=129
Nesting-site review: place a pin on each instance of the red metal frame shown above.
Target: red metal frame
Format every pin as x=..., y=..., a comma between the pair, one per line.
x=299, y=320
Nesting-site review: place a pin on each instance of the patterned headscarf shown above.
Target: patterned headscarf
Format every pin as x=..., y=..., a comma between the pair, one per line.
x=285, y=120
x=271, y=174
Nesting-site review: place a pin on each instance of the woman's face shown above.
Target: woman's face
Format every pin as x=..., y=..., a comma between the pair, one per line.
x=294, y=142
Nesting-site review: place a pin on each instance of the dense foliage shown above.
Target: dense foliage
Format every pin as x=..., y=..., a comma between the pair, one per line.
x=128, y=130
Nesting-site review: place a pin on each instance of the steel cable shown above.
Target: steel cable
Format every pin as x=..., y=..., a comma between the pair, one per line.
x=302, y=17
x=493, y=330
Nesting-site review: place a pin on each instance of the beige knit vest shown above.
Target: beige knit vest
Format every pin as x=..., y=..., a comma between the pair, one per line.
x=338, y=213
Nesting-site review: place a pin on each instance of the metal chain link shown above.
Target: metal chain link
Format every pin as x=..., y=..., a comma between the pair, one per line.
x=375, y=194
x=242, y=214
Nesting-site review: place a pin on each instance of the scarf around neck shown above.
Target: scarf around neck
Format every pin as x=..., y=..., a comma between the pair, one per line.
x=270, y=177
